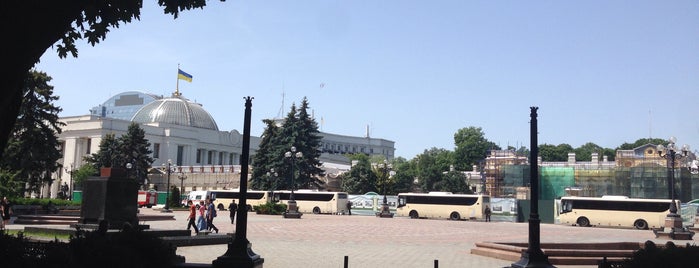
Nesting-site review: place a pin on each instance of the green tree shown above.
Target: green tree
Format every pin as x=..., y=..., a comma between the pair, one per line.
x=269, y=156
x=134, y=148
x=404, y=176
x=554, y=153
x=430, y=166
x=80, y=175
x=309, y=142
x=584, y=152
x=33, y=148
x=471, y=147
x=453, y=181
x=38, y=25
x=361, y=178
x=107, y=155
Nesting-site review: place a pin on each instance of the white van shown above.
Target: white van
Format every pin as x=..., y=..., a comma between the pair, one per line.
x=196, y=197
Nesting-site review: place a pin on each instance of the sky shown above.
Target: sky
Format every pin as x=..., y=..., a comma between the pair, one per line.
x=413, y=72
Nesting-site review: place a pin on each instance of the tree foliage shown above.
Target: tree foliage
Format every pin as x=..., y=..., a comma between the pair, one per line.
x=361, y=177
x=641, y=142
x=34, y=26
x=430, y=166
x=132, y=147
x=471, y=147
x=453, y=181
x=33, y=147
x=300, y=131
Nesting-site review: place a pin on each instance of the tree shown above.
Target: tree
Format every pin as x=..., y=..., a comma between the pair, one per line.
x=471, y=147
x=361, y=178
x=269, y=155
x=134, y=148
x=584, y=152
x=430, y=166
x=107, y=154
x=33, y=148
x=82, y=173
x=35, y=25
x=404, y=177
x=453, y=181
x=554, y=153
x=309, y=141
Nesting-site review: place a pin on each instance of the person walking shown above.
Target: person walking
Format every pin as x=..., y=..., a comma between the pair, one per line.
x=487, y=213
x=232, y=207
x=6, y=211
x=210, y=214
x=349, y=207
x=192, y=216
x=201, y=221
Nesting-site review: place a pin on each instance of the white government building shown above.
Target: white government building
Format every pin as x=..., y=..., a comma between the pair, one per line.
x=180, y=130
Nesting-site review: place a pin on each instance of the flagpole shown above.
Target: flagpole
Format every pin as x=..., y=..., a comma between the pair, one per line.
x=177, y=86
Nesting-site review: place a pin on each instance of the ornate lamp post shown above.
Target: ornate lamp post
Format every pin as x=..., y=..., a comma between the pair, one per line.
x=72, y=187
x=385, y=212
x=293, y=211
x=182, y=177
x=272, y=175
x=167, y=197
x=673, y=222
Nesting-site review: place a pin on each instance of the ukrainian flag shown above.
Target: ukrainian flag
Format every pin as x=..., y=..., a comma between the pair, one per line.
x=184, y=76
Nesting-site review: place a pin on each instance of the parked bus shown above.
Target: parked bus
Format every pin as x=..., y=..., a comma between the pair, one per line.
x=617, y=211
x=441, y=205
x=221, y=198
x=316, y=202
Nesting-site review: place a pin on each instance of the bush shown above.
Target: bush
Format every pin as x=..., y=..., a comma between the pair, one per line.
x=43, y=202
x=270, y=208
x=668, y=256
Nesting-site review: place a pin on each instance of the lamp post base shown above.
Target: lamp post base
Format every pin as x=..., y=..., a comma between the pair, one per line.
x=239, y=254
x=673, y=229
x=385, y=212
x=293, y=211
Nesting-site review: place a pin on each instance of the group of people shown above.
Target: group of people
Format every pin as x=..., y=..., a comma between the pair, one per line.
x=6, y=211
x=207, y=213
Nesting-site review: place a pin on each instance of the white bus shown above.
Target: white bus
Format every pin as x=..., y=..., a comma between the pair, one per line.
x=316, y=202
x=221, y=198
x=617, y=211
x=442, y=205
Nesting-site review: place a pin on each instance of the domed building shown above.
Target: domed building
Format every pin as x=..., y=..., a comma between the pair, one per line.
x=182, y=131
x=178, y=130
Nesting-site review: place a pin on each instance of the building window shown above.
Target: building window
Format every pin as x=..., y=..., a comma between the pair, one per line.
x=209, y=157
x=89, y=144
x=199, y=154
x=220, y=158
x=156, y=150
x=230, y=159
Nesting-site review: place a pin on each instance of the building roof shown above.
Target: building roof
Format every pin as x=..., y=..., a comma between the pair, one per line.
x=176, y=110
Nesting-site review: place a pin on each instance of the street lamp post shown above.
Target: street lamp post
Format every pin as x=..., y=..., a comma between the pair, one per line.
x=292, y=211
x=167, y=197
x=70, y=172
x=272, y=175
x=385, y=212
x=182, y=177
x=673, y=222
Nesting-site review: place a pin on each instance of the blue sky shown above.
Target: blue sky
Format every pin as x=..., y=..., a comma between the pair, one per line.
x=415, y=72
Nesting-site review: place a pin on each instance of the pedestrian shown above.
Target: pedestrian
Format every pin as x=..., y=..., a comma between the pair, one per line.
x=2, y=222
x=211, y=213
x=6, y=211
x=192, y=216
x=232, y=207
x=487, y=213
x=201, y=221
x=349, y=207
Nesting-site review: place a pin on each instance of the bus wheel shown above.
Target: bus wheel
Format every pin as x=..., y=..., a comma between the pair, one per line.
x=583, y=222
x=220, y=207
x=149, y=206
x=413, y=214
x=640, y=224
x=455, y=216
x=316, y=210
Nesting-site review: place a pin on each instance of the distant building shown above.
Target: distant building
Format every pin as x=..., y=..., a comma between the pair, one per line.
x=182, y=131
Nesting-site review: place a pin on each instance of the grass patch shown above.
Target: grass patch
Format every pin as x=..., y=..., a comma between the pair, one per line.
x=39, y=235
